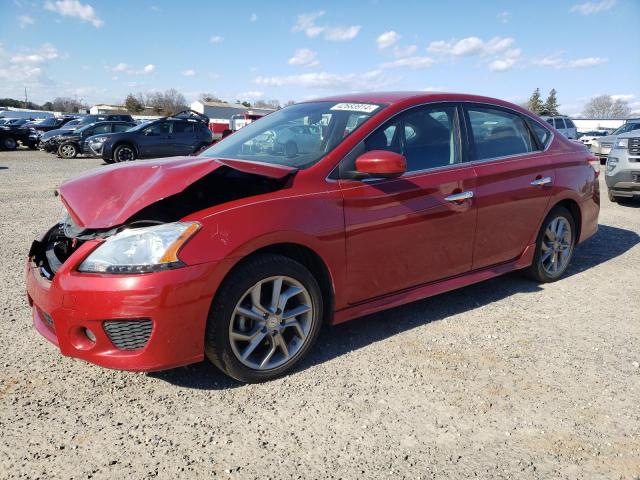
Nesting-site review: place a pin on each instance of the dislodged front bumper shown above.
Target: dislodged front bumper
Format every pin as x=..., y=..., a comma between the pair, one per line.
x=131, y=322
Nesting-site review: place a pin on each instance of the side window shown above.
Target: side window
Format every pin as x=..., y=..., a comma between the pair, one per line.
x=182, y=127
x=559, y=123
x=102, y=129
x=426, y=136
x=569, y=123
x=497, y=133
x=159, y=128
x=550, y=121
x=121, y=127
x=542, y=133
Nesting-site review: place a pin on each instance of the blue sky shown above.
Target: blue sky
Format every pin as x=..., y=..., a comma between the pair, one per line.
x=292, y=50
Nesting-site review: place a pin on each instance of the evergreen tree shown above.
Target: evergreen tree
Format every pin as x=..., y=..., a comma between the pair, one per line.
x=551, y=105
x=535, y=102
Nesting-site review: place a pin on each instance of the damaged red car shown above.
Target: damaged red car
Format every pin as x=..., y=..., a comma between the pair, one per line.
x=318, y=213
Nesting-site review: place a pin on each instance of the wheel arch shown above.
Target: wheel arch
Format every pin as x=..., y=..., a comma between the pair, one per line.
x=574, y=208
x=307, y=257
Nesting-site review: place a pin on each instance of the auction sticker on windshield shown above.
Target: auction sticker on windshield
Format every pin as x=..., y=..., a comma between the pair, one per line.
x=356, y=107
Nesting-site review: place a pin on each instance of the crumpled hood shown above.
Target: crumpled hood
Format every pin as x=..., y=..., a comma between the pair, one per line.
x=108, y=196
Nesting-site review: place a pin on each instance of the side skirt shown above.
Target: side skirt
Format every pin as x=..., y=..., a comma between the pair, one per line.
x=430, y=289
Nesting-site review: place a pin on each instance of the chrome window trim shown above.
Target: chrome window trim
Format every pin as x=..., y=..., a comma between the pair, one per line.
x=470, y=162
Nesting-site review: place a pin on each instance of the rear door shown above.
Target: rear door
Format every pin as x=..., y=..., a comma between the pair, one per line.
x=155, y=140
x=514, y=177
x=418, y=228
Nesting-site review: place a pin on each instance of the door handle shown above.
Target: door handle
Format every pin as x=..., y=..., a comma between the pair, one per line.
x=459, y=197
x=539, y=182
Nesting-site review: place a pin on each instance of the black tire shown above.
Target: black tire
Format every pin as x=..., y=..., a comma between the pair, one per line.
x=124, y=153
x=217, y=338
x=612, y=197
x=537, y=270
x=68, y=150
x=9, y=143
x=199, y=148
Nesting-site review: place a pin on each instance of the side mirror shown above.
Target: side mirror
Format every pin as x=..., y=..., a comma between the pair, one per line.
x=381, y=164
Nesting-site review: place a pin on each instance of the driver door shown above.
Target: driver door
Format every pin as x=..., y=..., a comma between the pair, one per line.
x=155, y=140
x=417, y=228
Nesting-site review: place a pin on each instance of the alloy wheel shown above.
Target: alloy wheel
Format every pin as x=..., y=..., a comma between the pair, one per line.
x=125, y=154
x=557, y=244
x=271, y=323
x=68, y=151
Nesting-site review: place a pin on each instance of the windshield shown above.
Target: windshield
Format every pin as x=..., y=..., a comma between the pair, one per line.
x=297, y=136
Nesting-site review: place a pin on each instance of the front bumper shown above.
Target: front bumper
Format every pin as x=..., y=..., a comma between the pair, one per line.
x=624, y=183
x=175, y=301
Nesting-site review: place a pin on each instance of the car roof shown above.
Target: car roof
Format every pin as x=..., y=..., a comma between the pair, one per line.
x=416, y=97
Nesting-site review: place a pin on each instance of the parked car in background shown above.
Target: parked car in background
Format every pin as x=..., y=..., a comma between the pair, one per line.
x=70, y=143
x=564, y=125
x=50, y=123
x=622, y=173
x=601, y=147
x=587, y=137
x=14, y=133
x=242, y=255
x=181, y=134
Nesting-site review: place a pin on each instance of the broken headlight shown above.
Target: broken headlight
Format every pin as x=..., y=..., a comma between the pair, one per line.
x=141, y=250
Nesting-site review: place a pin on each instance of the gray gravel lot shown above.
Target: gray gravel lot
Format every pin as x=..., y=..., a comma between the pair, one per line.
x=504, y=379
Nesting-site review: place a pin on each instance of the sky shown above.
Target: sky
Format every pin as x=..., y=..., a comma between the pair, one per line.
x=99, y=51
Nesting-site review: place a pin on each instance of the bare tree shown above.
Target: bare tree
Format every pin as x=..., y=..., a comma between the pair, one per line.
x=606, y=107
x=168, y=102
x=66, y=104
x=209, y=97
x=274, y=104
x=288, y=103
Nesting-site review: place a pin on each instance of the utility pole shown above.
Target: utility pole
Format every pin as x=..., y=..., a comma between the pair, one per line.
x=26, y=100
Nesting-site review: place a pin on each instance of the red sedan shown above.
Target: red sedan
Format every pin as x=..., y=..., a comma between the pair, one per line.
x=321, y=212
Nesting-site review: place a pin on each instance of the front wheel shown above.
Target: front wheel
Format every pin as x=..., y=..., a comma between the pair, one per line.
x=264, y=319
x=554, y=246
x=9, y=143
x=124, y=153
x=67, y=150
x=612, y=197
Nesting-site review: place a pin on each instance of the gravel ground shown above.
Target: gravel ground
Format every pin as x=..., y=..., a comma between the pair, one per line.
x=504, y=379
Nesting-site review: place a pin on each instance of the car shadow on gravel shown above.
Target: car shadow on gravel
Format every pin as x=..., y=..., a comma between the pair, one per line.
x=334, y=341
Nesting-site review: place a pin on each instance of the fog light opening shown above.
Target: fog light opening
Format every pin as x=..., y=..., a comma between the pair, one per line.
x=90, y=335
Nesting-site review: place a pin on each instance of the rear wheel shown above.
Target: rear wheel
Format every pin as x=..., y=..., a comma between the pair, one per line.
x=68, y=150
x=9, y=143
x=264, y=319
x=124, y=153
x=554, y=247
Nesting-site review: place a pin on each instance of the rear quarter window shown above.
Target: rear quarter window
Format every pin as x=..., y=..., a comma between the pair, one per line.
x=569, y=123
x=543, y=134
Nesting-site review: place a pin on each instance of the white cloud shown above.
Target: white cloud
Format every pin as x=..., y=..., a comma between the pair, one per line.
x=129, y=70
x=304, y=56
x=25, y=20
x=74, y=8
x=253, y=18
x=627, y=97
x=341, y=34
x=250, y=95
x=556, y=61
x=410, y=62
x=589, y=8
x=470, y=46
x=306, y=22
x=433, y=89
x=44, y=53
x=387, y=39
x=27, y=67
x=214, y=76
x=216, y=39
x=504, y=17
x=507, y=62
x=188, y=73
x=407, y=51
x=371, y=80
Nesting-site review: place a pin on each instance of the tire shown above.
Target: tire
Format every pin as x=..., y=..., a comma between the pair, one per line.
x=124, y=153
x=612, y=197
x=229, y=335
x=9, y=143
x=68, y=150
x=199, y=148
x=290, y=149
x=549, y=267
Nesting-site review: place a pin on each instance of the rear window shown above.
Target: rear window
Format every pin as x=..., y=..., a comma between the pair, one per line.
x=497, y=133
x=558, y=123
x=569, y=123
x=182, y=127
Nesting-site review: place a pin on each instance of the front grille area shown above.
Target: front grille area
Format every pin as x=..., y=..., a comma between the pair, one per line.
x=634, y=146
x=128, y=334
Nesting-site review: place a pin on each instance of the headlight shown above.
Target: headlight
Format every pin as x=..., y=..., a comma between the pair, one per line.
x=611, y=164
x=621, y=143
x=141, y=250
x=98, y=140
x=595, y=143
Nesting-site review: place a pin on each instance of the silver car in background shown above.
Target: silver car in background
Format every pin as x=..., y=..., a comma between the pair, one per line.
x=564, y=125
x=601, y=147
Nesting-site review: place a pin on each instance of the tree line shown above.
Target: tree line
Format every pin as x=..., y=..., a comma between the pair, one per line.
x=602, y=106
